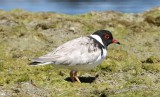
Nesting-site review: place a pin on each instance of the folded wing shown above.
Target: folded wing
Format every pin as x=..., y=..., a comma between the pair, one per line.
x=79, y=51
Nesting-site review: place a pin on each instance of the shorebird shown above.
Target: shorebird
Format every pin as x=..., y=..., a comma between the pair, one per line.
x=83, y=53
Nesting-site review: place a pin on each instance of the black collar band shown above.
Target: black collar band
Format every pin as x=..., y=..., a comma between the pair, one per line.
x=99, y=44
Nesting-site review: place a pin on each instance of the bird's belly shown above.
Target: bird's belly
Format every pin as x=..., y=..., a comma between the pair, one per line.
x=85, y=67
x=82, y=67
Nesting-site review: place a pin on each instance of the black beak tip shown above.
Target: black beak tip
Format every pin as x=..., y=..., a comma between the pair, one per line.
x=118, y=42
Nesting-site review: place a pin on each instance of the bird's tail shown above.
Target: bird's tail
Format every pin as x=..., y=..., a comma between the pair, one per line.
x=38, y=62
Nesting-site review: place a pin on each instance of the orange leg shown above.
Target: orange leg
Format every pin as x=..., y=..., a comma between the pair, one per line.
x=73, y=75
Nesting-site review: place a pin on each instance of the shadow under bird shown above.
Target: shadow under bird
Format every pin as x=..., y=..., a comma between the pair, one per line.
x=82, y=53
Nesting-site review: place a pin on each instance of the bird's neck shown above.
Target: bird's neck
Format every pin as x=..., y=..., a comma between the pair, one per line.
x=96, y=37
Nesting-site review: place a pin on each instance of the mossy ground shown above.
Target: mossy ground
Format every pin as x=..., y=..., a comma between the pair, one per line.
x=131, y=69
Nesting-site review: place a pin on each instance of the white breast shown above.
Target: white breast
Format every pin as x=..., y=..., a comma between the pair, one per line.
x=100, y=58
x=93, y=64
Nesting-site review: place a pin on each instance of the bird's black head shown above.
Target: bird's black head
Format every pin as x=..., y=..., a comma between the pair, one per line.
x=106, y=37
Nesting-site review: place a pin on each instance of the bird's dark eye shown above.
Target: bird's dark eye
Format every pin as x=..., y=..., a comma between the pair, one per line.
x=106, y=36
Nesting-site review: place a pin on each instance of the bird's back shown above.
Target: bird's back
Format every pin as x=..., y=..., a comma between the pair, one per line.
x=78, y=51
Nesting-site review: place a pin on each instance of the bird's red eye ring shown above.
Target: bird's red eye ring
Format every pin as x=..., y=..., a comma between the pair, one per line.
x=106, y=36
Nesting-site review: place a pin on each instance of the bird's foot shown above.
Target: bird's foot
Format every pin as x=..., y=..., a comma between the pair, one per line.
x=74, y=77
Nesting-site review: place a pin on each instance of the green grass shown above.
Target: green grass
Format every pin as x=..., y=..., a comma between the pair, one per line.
x=131, y=69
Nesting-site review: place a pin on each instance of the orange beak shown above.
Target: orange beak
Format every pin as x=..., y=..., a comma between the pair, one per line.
x=115, y=41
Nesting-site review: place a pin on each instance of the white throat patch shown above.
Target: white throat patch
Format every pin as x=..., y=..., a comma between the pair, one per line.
x=97, y=38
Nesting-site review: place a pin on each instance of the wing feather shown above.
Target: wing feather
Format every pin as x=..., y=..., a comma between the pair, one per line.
x=82, y=50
